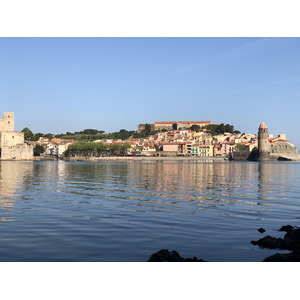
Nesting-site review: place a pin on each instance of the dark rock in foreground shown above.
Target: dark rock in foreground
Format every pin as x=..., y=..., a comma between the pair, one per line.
x=270, y=242
x=288, y=257
x=287, y=228
x=165, y=255
x=261, y=230
x=291, y=241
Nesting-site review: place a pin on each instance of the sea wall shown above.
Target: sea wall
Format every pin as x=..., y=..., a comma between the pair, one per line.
x=17, y=153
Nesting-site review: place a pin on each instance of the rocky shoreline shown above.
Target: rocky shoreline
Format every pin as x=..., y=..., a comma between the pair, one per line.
x=290, y=241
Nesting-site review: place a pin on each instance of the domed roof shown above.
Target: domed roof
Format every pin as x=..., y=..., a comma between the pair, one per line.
x=263, y=125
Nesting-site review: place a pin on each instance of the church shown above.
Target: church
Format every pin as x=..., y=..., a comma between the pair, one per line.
x=270, y=148
x=12, y=146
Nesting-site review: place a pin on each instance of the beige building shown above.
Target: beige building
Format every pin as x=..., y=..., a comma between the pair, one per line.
x=12, y=146
x=179, y=124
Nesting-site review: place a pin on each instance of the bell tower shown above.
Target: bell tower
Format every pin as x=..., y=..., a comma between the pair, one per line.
x=263, y=142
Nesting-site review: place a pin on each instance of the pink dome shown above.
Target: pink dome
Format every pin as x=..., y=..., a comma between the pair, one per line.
x=263, y=125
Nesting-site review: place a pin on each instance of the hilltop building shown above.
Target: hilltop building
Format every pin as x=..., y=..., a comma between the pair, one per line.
x=12, y=146
x=270, y=148
x=169, y=125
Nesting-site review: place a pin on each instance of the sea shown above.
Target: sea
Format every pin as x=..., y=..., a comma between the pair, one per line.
x=57, y=211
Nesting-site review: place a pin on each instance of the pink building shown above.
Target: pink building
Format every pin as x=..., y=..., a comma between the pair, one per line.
x=227, y=147
x=170, y=147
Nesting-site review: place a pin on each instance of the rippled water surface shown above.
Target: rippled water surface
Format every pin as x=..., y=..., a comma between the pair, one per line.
x=75, y=211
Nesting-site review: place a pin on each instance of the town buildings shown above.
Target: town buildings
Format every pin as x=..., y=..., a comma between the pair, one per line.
x=54, y=147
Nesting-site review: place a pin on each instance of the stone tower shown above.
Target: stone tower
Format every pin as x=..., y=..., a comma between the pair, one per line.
x=263, y=143
x=12, y=146
x=8, y=122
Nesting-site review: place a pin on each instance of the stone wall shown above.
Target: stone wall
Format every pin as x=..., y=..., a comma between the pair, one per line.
x=11, y=138
x=23, y=152
x=142, y=127
x=240, y=155
x=282, y=149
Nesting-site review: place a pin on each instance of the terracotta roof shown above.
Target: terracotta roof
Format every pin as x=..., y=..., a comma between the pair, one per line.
x=277, y=140
x=183, y=122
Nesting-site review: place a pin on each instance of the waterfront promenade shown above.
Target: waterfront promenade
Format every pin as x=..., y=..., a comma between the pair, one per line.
x=145, y=158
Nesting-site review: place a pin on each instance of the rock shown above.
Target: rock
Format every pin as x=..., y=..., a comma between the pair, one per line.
x=292, y=240
x=165, y=256
x=288, y=257
x=270, y=242
x=261, y=230
x=287, y=228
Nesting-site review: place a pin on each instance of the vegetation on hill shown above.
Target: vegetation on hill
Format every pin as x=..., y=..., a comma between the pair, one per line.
x=95, y=149
x=221, y=128
x=30, y=136
x=88, y=135
x=93, y=134
x=145, y=133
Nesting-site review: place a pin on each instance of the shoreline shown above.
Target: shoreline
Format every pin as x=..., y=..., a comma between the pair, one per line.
x=130, y=158
x=143, y=158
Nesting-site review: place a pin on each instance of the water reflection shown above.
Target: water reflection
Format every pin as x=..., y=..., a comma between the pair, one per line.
x=12, y=175
x=273, y=177
x=161, y=186
x=78, y=211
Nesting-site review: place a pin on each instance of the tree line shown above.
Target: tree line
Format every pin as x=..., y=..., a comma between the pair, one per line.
x=95, y=149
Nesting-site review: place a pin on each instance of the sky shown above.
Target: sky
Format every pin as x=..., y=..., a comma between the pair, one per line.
x=70, y=84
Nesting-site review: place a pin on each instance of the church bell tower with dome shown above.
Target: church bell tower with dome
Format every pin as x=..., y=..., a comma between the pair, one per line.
x=263, y=142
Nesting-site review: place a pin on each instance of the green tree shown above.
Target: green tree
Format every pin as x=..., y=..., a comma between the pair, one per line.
x=28, y=134
x=228, y=128
x=38, y=135
x=195, y=128
x=38, y=150
x=240, y=147
x=221, y=128
x=49, y=136
x=147, y=129
x=125, y=146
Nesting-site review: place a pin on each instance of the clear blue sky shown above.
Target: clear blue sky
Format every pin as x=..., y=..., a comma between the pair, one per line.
x=70, y=84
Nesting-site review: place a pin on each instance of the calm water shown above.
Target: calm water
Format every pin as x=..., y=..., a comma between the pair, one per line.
x=64, y=211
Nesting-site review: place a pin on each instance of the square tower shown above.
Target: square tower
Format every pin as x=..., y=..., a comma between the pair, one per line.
x=8, y=122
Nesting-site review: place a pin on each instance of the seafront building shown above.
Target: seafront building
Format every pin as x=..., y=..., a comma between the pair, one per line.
x=169, y=125
x=54, y=147
x=270, y=148
x=12, y=145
